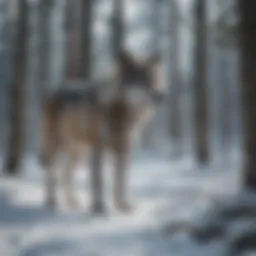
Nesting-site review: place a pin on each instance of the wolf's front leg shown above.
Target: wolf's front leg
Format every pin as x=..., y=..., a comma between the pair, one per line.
x=68, y=176
x=97, y=179
x=121, y=158
x=51, y=186
x=47, y=159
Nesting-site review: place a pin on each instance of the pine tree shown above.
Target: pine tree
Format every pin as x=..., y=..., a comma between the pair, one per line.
x=200, y=85
x=18, y=91
x=248, y=75
x=175, y=80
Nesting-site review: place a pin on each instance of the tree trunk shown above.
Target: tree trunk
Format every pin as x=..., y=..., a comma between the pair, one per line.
x=248, y=75
x=225, y=105
x=5, y=36
x=200, y=85
x=117, y=26
x=18, y=91
x=175, y=79
x=45, y=47
x=148, y=140
x=86, y=39
x=78, y=39
x=73, y=38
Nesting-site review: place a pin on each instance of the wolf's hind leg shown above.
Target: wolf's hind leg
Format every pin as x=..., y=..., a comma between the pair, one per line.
x=50, y=180
x=68, y=175
x=97, y=179
x=48, y=150
x=121, y=158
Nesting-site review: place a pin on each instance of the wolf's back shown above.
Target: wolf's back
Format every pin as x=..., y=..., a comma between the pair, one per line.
x=68, y=96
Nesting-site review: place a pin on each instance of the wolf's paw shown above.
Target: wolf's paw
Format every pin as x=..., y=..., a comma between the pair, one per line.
x=72, y=203
x=98, y=209
x=125, y=207
x=51, y=203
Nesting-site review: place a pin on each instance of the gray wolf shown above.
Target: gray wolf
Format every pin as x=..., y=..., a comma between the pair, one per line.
x=97, y=116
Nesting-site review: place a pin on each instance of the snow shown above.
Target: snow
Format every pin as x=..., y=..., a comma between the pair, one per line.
x=162, y=191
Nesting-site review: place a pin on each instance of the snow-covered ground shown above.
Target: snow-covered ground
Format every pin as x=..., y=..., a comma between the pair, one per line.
x=162, y=191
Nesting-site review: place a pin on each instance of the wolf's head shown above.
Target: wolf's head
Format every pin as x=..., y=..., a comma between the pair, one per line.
x=140, y=76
